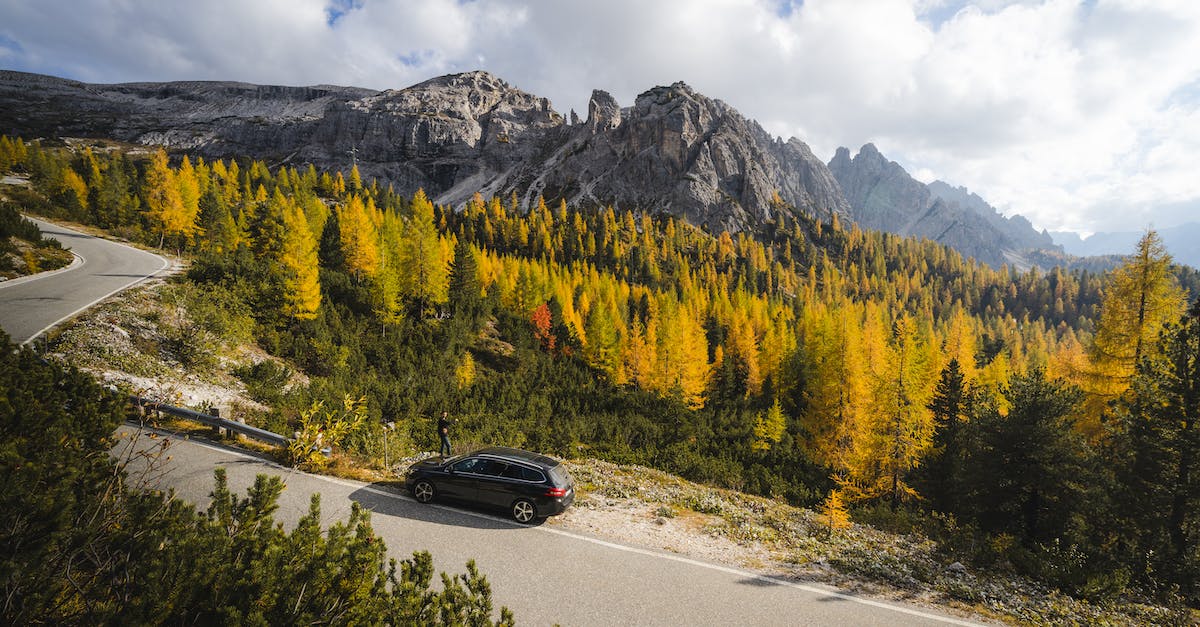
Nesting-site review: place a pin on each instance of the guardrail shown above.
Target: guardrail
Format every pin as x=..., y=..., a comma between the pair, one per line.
x=214, y=421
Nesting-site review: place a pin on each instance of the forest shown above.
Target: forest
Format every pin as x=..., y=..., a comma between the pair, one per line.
x=1042, y=421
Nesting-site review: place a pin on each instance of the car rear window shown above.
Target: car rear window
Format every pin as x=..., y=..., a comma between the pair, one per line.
x=561, y=476
x=524, y=474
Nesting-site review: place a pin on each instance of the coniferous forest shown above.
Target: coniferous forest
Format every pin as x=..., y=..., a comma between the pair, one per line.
x=1040, y=420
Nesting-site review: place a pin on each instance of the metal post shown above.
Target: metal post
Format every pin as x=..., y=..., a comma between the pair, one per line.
x=387, y=428
x=216, y=413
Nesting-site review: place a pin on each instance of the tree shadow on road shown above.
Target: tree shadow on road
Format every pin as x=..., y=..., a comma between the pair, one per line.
x=389, y=498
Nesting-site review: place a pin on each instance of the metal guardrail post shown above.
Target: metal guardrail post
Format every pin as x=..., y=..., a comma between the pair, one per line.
x=220, y=432
x=220, y=425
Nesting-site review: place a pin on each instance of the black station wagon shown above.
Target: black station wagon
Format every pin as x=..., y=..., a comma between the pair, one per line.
x=527, y=485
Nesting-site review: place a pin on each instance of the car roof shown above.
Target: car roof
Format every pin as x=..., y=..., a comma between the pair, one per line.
x=518, y=455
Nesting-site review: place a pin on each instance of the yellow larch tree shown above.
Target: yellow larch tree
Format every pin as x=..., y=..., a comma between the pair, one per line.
x=424, y=266
x=1140, y=297
x=163, y=202
x=359, y=239
x=297, y=261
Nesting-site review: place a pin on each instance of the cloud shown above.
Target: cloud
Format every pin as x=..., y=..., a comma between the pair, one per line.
x=1078, y=114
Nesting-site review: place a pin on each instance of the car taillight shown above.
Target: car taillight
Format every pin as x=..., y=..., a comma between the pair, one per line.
x=556, y=492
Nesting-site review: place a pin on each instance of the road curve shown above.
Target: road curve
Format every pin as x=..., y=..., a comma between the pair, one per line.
x=31, y=305
x=546, y=574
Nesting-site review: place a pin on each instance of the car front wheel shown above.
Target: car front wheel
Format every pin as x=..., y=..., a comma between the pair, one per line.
x=423, y=491
x=524, y=511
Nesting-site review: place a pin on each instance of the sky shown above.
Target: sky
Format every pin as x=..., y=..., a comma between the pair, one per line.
x=1081, y=115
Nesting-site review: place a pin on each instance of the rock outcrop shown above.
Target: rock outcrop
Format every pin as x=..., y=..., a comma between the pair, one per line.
x=883, y=196
x=674, y=150
x=682, y=152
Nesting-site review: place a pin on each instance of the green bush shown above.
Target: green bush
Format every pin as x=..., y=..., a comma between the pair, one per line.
x=264, y=380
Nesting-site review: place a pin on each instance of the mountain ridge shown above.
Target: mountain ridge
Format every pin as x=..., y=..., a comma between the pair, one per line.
x=883, y=196
x=454, y=135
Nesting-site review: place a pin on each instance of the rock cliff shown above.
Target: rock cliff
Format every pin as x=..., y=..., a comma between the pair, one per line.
x=674, y=150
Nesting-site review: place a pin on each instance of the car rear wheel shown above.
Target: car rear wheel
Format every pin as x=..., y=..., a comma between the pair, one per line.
x=524, y=511
x=423, y=491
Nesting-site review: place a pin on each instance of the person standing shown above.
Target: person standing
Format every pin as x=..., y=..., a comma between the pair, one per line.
x=443, y=428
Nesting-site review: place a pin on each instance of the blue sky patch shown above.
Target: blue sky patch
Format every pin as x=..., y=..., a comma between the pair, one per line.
x=10, y=44
x=415, y=58
x=339, y=8
x=785, y=8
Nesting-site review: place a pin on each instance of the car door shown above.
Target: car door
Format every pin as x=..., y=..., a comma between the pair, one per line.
x=494, y=488
x=461, y=481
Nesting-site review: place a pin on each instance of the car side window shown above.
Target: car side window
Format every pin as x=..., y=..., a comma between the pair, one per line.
x=469, y=465
x=491, y=468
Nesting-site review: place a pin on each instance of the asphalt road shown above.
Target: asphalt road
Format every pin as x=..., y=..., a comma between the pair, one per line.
x=31, y=305
x=544, y=573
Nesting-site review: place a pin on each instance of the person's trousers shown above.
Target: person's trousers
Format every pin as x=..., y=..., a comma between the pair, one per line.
x=445, y=445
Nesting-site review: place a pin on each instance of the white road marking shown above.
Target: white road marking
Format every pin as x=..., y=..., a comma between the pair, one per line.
x=612, y=545
x=165, y=264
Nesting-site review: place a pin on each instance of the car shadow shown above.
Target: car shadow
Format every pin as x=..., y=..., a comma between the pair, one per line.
x=389, y=498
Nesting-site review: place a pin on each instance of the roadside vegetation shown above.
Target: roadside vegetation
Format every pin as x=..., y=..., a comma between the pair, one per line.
x=23, y=250
x=1038, y=423
x=85, y=539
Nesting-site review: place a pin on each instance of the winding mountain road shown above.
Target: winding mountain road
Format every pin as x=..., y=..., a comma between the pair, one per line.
x=545, y=574
x=32, y=305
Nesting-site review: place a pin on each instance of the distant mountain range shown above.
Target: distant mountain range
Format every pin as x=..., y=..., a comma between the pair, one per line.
x=674, y=150
x=884, y=197
x=1183, y=242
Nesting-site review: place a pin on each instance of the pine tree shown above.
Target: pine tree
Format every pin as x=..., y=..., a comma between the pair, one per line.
x=464, y=289
x=1028, y=471
x=834, y=512
x=940, y=476
x=1155, y=450
x=189, y=196
x=388, y=283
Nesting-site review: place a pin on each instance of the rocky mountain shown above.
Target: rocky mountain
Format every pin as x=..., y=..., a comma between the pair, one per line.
x=883, y=196
x=674, y=150
x=1018, y=229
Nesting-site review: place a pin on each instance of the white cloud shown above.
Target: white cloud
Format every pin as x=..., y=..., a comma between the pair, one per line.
x=1077, y=114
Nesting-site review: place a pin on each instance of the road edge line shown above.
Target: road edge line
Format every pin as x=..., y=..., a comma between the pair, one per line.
x=165, y=264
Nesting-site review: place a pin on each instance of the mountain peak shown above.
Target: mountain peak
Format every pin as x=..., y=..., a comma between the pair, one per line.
x=475, y=79
x=869, y=150
x=603, y=111
x=885, y=197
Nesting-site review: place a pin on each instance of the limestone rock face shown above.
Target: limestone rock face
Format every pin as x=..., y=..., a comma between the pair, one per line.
x=682, y=152
x=674, y=150
x=884, y=197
